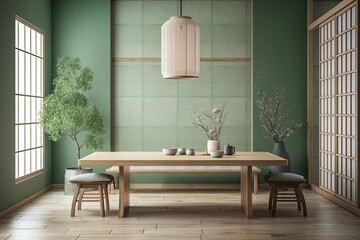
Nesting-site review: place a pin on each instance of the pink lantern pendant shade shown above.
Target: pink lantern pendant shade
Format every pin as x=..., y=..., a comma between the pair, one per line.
x=180, y=48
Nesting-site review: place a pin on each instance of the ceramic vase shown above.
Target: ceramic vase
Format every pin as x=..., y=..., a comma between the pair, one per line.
x=212, y=145
x=279, y=150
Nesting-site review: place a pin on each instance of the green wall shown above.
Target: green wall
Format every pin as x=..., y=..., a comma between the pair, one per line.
x=149, y=112
x=279, y=53
x=39, y=14
x=82, y=28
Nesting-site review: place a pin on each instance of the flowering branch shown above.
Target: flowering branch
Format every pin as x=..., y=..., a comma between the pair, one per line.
x=211, y=123
x=275, y=125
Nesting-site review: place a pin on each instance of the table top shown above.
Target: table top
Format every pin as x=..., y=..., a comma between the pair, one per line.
x=199, y=159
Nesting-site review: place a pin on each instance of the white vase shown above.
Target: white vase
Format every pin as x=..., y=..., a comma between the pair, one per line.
x=212, y=145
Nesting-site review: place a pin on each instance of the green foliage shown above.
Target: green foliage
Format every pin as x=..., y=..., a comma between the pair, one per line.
x=68, y=112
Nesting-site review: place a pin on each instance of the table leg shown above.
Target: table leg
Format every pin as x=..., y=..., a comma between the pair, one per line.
x=124, y=191
x=246, y=190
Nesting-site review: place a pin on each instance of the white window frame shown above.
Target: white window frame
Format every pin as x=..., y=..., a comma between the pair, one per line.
x=29, y=96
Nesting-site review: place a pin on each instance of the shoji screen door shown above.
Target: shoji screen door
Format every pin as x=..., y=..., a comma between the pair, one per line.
x=338, y=91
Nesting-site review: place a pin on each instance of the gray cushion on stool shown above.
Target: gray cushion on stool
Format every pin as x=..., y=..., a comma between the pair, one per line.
x=92, y=177
x=285, y=177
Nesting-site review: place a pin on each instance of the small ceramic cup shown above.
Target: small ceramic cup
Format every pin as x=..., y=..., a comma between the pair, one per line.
x=190, y=151
x=181, y=151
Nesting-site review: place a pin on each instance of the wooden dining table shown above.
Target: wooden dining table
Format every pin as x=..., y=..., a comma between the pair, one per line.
x=126, y=159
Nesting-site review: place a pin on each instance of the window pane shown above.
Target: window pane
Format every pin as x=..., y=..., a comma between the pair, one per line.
x=21, y=36
x=33, y=110
x=33, y=76
x=27, y=109
x=21, y=73
x=16, y=165
x=41, y=46
x=28, y=99
x=38, y=77
x=27, y=136
x=21, y=137
x=16, y=109
x=33, y=42
x=38, y=44
x=38, y=109
x=27, y=39
x=16, y=33
x=27, y=74
x=16, y=138
x=32, y=136
x=21, y=109
x=16, y=71
x=41, y=77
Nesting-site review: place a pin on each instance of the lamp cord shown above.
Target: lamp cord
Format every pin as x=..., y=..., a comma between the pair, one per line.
x=180, y=8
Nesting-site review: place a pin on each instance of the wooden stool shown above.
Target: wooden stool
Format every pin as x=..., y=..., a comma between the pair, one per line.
x=285, y=180
x=91, y=180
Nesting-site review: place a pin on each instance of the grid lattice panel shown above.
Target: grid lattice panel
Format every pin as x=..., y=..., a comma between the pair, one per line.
x=338, y=105
x=327, y=106
x=346, y=98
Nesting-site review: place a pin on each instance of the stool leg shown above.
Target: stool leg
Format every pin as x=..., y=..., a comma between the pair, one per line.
x=297, y=194
x=74, y=200
x=275, y=200
x=106, y=194
x=101, y=200
x=271, y=196
x=82, y=191
x=303, y=201
x=109, y=188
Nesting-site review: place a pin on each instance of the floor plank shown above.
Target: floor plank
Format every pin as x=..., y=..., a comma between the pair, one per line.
x=180, y=215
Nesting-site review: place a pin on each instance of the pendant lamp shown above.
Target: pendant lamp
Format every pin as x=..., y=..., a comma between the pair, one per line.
x=180, y=48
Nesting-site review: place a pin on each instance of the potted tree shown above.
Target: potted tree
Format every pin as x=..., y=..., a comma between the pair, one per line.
x=66, y=111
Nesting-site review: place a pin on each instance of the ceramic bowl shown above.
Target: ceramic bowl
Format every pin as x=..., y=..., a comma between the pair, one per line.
x=169, y=151
x=181, y=151
x=216, y=153
x=190, y=151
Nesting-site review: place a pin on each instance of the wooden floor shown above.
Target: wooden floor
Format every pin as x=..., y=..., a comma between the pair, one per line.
x=200, y=215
